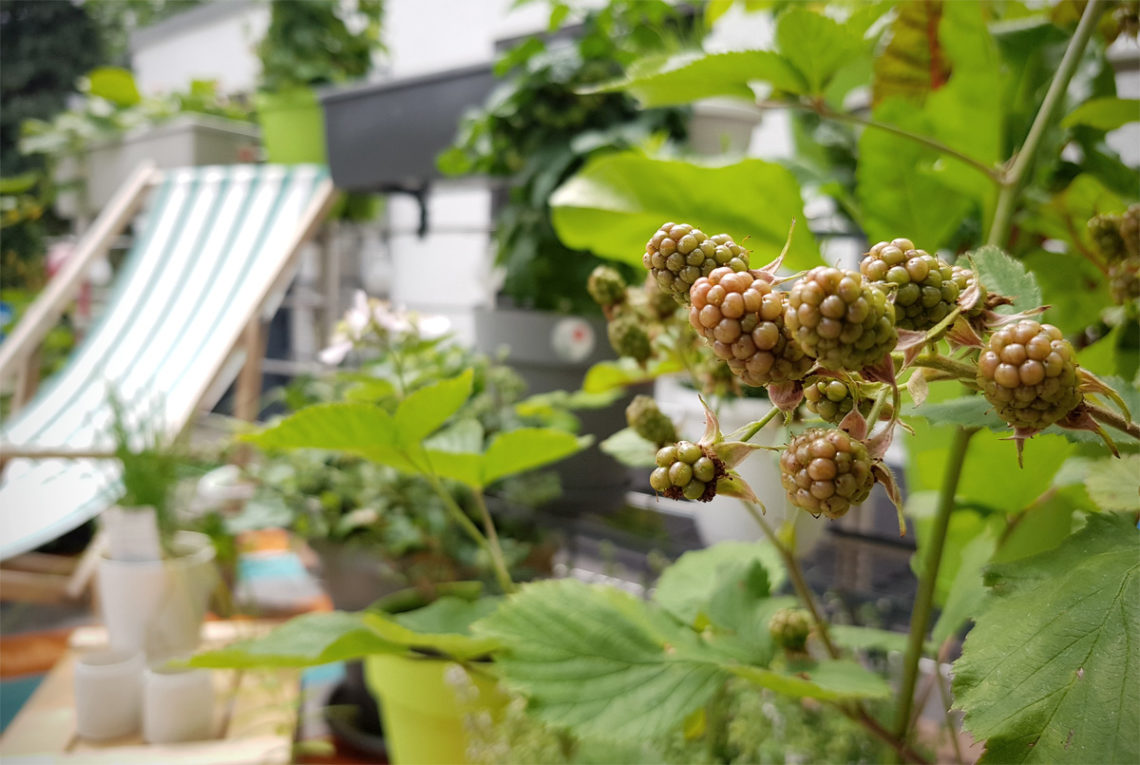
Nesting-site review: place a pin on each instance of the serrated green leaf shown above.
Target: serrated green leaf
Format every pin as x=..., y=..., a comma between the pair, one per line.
x=436, y=628
x=1075, y=290
x=1043, y=526
x=462, y=437
x=1104, y=113
x=866, y=638
x=592, y=659
x=447, y=615
x=424, y=410
x=616, y=202
x=816, y=45
x=966, y=590
x=517, y=451
x=686, y=588
x=824, y=680
x=306, y=641
x=457, y=466
x=1114, y=484
x=686, y=77
x=1051, y=670
x=608, y=376
x=370, y=390
x=628, y=448
x=1005, y=276
x=968, y=411
x=355, y=428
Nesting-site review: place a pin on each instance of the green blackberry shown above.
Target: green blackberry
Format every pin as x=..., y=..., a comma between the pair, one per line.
x=831, y=401
x=649, y=422
x=742, y=318
x=1028, y=371
x=686, y=470
x=789, y=628
x=629, y=338
x=826, y=471
x=606, y=286
x=679, y=254
x=964, y=278
x=924, y=287
x=840, y=319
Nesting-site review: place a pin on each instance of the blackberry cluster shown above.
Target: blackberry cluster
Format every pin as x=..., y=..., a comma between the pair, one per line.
x=741, y=316
x=965, y=278
x=924, y=287
x=1028, y=372
x=831, y=401
x=606, y=286
x=629, y=337
x=649, y=422
x=826, y=471
x=679, y=254
x=789, y=628
x=840, y=319
x=685, y=470
x=1117, y=237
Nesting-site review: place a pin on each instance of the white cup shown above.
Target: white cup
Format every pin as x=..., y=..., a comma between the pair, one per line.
x=107, y=693
x=177, y=705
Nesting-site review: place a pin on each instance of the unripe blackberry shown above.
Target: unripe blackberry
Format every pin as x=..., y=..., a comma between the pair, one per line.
x=686, y=470
x=1028, y=371
x=1130, y=231
x=965, y=278
x=660, y=303
x=840, y=319
x=1124, y=280
x=606, y=286
x=831, y=400
x=629, y=338
x=742, y=318
x=649, y=422
x=789, y=628
x=679, y=254
x=826, y=471
x=1106, y=235
x=924, y=287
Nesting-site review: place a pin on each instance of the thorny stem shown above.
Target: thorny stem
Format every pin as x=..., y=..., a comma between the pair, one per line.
x=924, y=600
x=752, y=428
x=880, y=399
x=1023, y=160
x=943, y=364
x=820, y=108
x=1113, y=419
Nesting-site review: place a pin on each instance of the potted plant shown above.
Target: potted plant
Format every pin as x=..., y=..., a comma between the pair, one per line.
x=98, y=142
x=154, y=581
x=308, y=44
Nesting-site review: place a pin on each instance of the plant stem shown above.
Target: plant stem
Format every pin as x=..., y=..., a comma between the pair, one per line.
x=752, y=428
x=943, y=364
x=944, y=693
x=924, y=600
x=902, y=748
x=495, y=548
x=1109, y=417
x=460, y=517
x=1023, y=160
x=880, y=399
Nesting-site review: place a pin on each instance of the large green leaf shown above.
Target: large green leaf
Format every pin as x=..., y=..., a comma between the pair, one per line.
x=966, y=590
x=686, y=588
x=913, y=63
x=1051, y=670
x=1072, y=286
x=824, y=680
x=305, y=641
x=617, y=201
x=1002, y=274
x=816, y=45
x=426, y=409
x=628, y=448
x=687, y=77
x=1104, y=113
x=1114, y=483
x=609, y=376
x=517, y=451
x=357, y=428
x=867, y=638
x=405, y=630
x=592, y=659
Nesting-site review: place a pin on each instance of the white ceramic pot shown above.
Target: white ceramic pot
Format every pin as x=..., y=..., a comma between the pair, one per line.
x=725, y=518
x=157, y=606
x=107, y=690
x=132, y=533
x=177, y=705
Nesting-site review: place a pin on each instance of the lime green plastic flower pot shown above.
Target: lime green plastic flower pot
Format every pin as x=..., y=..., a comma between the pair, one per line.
x=292, y=127
x=423, y=712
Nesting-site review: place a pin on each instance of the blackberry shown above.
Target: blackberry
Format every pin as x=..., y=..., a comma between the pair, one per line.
x=686, y=470
x=649, y=422
x=1106, y=235
x=679, y=254
x=965, y=278
x=606, y=286
x=629, y=338
x=742, y=318
x=840, y=319
x=1124, y=280
x=1028, y=372
x=924, y=286
x=826, y=471
x=660, y=303
x=831, y=401
x=1130, y=231
x=789, y=628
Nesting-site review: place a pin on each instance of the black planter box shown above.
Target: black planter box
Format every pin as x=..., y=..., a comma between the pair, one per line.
x=386, y=136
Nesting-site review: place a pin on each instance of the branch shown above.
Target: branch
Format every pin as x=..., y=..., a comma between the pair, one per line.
x=1113, y=419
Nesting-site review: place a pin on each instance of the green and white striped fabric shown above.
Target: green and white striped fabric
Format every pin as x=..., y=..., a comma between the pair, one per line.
x=212, y=243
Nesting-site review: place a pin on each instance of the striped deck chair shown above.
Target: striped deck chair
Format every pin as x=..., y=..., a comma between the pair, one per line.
x=214, y=250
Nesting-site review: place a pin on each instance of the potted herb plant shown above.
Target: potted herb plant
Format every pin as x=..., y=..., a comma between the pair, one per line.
x=154, y=581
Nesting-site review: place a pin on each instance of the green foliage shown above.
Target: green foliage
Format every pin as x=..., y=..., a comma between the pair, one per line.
x=309, y=42
x=609, y=207
x=1003, y=275
x=1104, y=113
x=686, y=589
x=537, y=129
x=1114, y=484
x=1075, y=612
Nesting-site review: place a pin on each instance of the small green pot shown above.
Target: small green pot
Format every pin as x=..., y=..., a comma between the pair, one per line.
x=422, y=712
x=292, y=127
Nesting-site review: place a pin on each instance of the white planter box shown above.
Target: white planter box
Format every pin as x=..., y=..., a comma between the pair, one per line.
x=186, y=141
x=722, y=126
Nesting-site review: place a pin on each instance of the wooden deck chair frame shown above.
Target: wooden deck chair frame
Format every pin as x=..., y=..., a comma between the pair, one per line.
x=43, y=578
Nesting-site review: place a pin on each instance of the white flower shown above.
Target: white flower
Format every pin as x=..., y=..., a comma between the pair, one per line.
x=432, y=327
x=335, y=353
x=395, y=322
